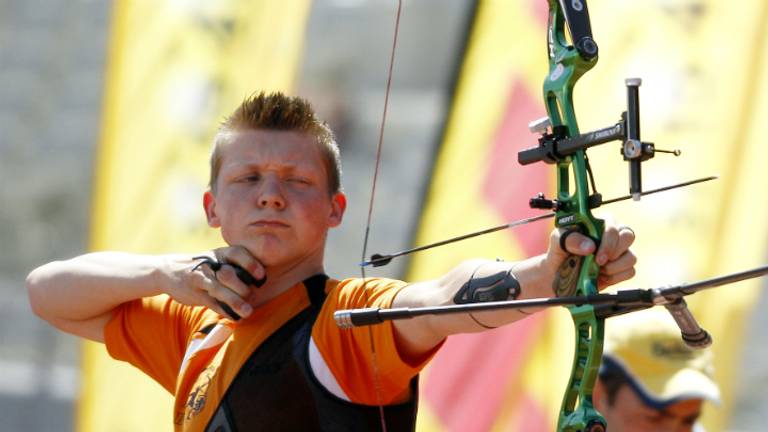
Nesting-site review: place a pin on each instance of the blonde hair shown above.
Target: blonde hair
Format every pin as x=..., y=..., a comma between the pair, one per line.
x=276, y=111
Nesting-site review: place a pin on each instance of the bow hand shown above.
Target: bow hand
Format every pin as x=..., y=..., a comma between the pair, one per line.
x=615, y=260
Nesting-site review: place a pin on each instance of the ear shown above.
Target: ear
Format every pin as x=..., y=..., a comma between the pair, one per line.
x=599, y=396
x=338, y=205
x=209, y=204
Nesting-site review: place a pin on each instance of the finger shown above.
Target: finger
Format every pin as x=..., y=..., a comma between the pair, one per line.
x=624, y=262
x=232, y=314
x=608, y=245
x=626, y=239
x=215, y=306
x=607, y=280
x=204, y=275
x=242, y=257
x=578, y=244
x=205, y=299
x=224, y=294
x=228, y=277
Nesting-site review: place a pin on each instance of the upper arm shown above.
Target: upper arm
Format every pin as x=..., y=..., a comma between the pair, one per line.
x=418, y=336
x=421, y=334
x=92, y=328
x=152, y=334
x=349, y=353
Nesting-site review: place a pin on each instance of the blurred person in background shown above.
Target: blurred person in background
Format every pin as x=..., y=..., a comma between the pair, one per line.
x=244, y=336
x=650, y=380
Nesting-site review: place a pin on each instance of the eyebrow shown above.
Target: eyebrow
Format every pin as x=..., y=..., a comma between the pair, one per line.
x=256, y=166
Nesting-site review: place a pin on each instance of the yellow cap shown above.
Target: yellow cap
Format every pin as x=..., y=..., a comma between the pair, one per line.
x=648, y=348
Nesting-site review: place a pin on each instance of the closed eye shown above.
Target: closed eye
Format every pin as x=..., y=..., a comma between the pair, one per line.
x=299, y=180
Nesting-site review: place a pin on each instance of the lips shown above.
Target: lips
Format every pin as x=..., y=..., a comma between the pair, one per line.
x=269, y=223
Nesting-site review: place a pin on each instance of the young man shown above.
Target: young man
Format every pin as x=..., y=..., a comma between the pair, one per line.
x=275, y=193
x=650, y=380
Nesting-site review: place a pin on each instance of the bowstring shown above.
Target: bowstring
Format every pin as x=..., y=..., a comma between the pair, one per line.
x=379, y=145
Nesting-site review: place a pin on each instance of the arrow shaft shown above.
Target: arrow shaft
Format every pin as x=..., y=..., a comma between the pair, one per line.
x=383, y=260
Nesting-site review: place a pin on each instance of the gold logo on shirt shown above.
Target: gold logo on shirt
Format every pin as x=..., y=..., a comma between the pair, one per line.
x=199, y=394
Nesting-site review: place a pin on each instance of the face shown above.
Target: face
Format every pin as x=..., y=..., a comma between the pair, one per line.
x=272, y=197
x=629, y=413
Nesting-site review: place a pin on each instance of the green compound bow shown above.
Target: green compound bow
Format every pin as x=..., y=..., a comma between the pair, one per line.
x=572, y=52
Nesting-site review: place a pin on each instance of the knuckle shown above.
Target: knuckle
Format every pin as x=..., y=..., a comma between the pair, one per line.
x=234, y=283
x=231, y=302
x=628, y=275
x=230, y=279
x=214, y=291
x=204, y=284
x=225, y=275
x=200, y=288
x=230, y=296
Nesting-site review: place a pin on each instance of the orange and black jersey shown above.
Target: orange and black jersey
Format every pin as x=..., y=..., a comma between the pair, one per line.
x=201, y=358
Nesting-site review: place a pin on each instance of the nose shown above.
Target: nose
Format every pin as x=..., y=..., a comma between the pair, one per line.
x=271, y=194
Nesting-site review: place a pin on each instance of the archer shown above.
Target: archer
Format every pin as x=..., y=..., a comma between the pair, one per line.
x=244, y=336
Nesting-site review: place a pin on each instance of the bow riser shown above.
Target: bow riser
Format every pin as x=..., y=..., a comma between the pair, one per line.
x=566, y=65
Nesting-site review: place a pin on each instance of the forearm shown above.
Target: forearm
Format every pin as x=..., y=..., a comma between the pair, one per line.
x=516, y=280
x=535, y=277
x=535, y=281
x=421, y=334
x=93, y=284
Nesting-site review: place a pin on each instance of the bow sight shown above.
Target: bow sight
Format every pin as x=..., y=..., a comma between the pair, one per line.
x=555, y=146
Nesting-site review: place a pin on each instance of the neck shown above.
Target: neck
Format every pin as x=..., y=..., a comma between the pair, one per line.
x=280, y=278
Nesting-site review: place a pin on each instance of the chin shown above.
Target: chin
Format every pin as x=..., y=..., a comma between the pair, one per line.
x=267, y=255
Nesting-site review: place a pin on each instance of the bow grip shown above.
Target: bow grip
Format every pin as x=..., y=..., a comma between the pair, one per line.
x=567, y=277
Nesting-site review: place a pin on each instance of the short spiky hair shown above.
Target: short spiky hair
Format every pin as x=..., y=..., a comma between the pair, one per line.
x=276, y=111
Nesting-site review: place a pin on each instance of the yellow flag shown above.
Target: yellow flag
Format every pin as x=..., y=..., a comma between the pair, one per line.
x=702, y=93
x=175, y=69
